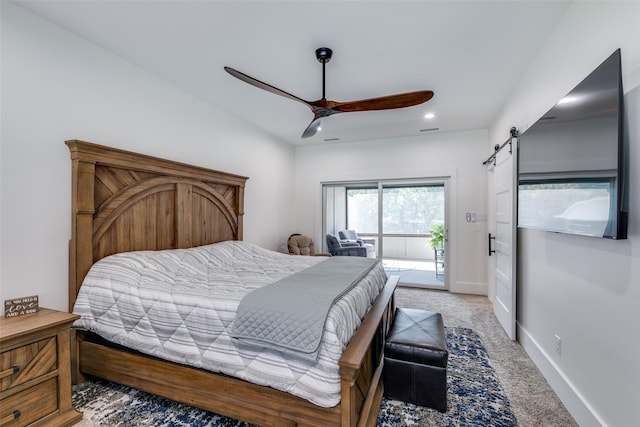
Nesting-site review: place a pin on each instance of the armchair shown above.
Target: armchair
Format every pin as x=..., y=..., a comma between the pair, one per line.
x=351, y=238
x=337, y=249
x=299, y=244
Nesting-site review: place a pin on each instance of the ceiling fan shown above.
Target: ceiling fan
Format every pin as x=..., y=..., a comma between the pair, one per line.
x=325, y=108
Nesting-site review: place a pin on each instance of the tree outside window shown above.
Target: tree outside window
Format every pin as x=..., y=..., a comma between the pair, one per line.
x=406, y=209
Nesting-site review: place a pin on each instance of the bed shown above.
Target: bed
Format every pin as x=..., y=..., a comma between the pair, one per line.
x=124, y=202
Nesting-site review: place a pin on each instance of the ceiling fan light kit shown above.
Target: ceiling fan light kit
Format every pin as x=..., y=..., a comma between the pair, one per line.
x=325, y=108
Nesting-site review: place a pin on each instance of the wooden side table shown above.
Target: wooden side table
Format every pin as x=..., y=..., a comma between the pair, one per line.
x=35, y=370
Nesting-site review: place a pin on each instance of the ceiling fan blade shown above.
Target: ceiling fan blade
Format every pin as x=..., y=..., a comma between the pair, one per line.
x=262, y=85
x=325, y=108
x=312, y=129
x=385, y=102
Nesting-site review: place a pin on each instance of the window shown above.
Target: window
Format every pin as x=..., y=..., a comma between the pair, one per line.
x=396, y=217
x=411, y=209
x=406, y=209
x=362, y=210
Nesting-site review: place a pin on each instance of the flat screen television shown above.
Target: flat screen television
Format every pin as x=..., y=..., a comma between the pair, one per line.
x=571, y=161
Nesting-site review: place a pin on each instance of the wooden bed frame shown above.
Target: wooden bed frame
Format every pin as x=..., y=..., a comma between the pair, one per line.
x=123, y=201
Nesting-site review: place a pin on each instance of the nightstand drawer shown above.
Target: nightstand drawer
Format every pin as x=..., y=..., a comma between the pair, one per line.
x=29, y=405
x=28, y=362
x=35, y=370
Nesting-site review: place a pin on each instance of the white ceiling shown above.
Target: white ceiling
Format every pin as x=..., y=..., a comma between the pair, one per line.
x=470, y=53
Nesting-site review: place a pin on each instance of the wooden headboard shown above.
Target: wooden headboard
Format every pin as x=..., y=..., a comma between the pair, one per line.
x=124, y=201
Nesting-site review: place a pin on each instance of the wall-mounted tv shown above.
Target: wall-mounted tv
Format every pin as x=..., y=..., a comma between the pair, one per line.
x=571, y=161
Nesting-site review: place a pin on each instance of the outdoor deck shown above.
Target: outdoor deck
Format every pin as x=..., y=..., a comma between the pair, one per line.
x=414, y=273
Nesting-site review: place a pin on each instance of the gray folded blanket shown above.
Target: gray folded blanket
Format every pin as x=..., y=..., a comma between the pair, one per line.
x=289, y=315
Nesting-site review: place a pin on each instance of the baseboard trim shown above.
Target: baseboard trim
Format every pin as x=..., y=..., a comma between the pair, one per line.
x=469, y=288
x=571, y=397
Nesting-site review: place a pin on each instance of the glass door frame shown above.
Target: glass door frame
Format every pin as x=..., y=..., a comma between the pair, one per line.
x=381, y=184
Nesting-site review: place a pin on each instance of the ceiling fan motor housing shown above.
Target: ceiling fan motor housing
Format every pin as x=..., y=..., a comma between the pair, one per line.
x=324, y=54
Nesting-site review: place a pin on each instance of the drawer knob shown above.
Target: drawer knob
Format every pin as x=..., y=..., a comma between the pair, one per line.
x=8, y=372
x=10, y=417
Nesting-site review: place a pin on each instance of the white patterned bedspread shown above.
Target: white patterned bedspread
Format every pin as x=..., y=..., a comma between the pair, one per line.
x=180, y=304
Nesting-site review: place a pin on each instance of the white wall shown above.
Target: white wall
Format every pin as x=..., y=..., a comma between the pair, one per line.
x=586, y=290
x=456, y=154
x=56, y=86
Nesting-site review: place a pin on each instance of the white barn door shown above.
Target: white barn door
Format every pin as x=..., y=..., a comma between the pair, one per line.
x=504, y=242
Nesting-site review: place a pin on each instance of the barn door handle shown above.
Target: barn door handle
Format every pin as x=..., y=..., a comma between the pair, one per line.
x=490, y=239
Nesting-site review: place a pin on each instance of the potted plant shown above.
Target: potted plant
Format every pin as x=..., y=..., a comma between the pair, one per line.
x=437, y=244
x=437, y=236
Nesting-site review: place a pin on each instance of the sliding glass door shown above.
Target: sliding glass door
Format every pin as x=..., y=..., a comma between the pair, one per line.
x=362, y=209
x=403, y=220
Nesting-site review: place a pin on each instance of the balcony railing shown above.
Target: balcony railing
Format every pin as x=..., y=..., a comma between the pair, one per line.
x=403, y=246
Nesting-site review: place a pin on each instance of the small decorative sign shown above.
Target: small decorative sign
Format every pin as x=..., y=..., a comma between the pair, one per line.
x=20, y=306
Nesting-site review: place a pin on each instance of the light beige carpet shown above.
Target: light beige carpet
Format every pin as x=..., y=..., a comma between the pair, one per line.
x=532, y=399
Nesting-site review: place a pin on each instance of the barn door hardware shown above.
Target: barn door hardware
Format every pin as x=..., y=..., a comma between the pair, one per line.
x=490, y=239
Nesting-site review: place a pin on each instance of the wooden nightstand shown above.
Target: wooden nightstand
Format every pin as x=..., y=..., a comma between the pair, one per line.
x=35, y=370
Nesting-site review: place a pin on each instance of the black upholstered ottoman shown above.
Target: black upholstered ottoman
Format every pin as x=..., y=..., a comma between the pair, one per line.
x=415, y=359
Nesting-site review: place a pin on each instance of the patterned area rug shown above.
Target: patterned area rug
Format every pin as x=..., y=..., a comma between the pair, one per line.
x=475, y=398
